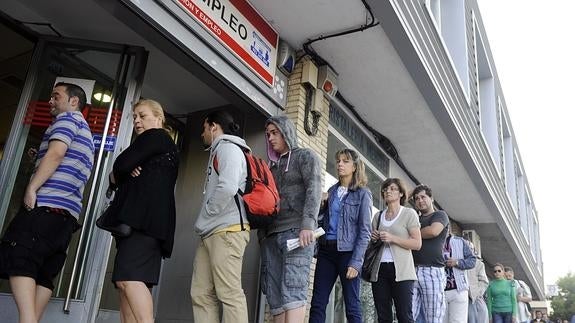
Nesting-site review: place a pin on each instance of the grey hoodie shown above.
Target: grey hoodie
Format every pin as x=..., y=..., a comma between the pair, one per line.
x=219, y=210
x=298, y=179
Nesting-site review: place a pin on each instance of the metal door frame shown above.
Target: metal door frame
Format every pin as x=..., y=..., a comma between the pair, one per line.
x=97, y=244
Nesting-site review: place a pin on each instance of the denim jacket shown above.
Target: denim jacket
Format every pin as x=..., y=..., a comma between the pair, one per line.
x=354, y=225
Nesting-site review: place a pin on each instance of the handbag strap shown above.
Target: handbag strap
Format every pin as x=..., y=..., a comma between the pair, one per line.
x=378, y=220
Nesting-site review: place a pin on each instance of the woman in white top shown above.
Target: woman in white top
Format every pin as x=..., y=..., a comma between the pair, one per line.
x=392, y=280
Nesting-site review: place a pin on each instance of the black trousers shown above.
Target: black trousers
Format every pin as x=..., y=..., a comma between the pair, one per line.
x=386, y=292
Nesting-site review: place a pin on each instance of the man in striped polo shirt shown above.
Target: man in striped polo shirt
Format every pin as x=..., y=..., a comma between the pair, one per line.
x=33, y=249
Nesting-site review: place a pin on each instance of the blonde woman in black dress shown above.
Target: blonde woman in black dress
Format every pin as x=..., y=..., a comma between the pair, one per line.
x=145, y=174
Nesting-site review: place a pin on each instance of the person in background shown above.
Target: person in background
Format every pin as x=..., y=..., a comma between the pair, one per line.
x=478, y=282
x=297, y=173
x=145, y=174
x=34, y=246
x=538, y=318
x=393, y=277
x=346, y=221
x=523, y=296
x=458, y=258
x=501, y=301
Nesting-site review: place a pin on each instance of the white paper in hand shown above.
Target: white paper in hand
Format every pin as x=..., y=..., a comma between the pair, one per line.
x=294, y=243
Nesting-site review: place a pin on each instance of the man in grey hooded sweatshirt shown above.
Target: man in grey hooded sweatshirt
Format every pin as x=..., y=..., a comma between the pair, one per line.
x=297, y=172
x=218, y=264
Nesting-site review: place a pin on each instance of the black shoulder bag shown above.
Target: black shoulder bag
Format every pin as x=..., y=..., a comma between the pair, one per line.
x=108, y=220
x=370, y=257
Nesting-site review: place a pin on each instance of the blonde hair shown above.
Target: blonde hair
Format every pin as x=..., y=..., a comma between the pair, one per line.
x=155, y=107
x=359, y=179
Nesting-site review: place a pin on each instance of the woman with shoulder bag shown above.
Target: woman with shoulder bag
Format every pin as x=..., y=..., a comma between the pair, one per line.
x=145, y=174
x=346, y=221
x=393, y=275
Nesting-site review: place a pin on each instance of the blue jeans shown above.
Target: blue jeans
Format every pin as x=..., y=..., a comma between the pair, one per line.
x=502, y=317
x=331, y=264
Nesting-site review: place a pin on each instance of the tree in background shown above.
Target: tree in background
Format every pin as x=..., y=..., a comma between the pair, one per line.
x=564, y=304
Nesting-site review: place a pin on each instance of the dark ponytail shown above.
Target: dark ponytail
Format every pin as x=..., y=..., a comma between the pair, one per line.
x=225, y=120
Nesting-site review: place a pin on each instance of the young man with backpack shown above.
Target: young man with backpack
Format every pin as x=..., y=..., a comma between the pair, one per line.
x=222, y=226
x=297, y=173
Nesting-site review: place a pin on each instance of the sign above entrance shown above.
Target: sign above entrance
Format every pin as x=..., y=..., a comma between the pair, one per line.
x=239, y=27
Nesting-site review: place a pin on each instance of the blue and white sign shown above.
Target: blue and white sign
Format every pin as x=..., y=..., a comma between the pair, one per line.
x=108, y=146
x=261, y=49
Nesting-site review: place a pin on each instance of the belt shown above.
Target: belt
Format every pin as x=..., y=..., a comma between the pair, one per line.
x=54, y=210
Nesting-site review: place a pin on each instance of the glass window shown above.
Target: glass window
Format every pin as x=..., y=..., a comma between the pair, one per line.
x=14, y=62
x=92, y=69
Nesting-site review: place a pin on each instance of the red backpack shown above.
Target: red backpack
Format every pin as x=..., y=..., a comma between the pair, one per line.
x=261, y=197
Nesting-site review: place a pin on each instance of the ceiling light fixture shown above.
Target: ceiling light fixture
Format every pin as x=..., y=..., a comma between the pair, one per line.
x=102, y=97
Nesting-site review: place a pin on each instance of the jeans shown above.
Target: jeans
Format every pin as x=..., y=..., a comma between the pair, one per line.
x=502, y=317
x=388, y=292
x=331, y=264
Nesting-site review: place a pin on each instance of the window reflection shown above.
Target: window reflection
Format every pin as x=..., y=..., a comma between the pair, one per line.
x=14, y=62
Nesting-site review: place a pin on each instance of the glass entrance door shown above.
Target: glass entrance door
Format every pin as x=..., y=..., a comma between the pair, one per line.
x=111, y=75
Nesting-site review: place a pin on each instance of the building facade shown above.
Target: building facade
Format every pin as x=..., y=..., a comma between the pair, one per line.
x=411, y=85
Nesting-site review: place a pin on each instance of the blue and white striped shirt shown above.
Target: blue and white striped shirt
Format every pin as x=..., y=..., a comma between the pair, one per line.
x=65, y=187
